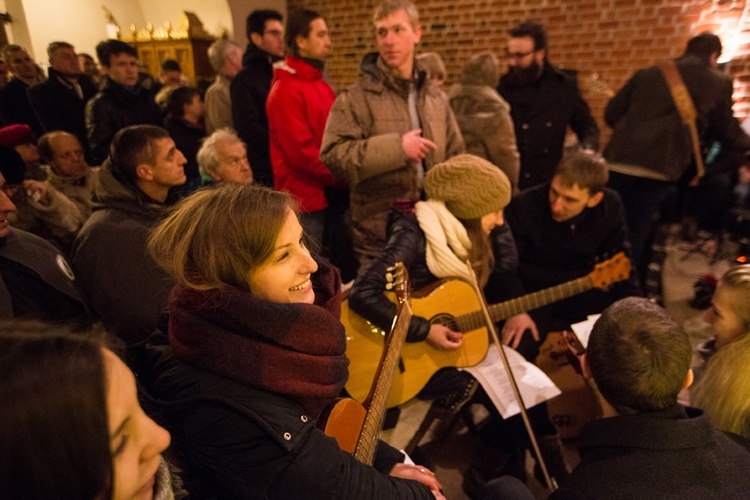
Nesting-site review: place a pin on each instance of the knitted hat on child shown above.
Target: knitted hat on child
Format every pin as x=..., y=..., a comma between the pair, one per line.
x=470, y=186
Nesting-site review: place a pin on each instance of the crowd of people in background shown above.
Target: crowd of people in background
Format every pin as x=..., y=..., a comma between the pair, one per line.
x=211, y=227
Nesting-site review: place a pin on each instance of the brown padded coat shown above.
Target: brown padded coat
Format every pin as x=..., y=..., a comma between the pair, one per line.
x=484, y=117
x=485, y=122
x=362, y=145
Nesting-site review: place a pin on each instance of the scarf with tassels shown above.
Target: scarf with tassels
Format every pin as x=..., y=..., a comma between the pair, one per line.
x=448, y=243
x=296, y=350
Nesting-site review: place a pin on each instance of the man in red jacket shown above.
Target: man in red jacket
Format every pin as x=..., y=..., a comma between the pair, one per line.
x=297, y=109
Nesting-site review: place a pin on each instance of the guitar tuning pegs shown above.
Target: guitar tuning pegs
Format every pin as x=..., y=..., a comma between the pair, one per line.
x=389, y=285
x=389, y=277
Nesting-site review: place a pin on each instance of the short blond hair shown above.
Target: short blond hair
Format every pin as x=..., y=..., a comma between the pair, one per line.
x=216, y=236
x=388, y=7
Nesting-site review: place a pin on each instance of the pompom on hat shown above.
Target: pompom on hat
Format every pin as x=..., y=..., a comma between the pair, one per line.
x=470, y=186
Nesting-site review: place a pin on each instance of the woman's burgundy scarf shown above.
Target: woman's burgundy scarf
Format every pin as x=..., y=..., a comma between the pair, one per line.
x=292, y=349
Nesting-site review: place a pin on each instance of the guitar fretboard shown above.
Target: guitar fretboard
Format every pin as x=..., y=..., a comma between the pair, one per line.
x=474, y=320
x=378, y=399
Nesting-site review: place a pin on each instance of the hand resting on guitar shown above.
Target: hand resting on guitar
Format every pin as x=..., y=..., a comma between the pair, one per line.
x=515, y=327
x=443, y=338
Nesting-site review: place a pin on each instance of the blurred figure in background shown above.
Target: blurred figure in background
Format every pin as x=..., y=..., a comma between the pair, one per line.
x=433, y=64
x=226, y=58
x=484, y=117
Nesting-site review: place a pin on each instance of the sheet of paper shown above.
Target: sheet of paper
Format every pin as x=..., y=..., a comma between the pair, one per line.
x=583, y=329
x=535, y=386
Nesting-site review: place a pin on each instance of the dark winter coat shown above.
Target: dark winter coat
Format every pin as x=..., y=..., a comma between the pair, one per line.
x=542, y=112
x=58, y=107
x=248, y=91
x=16, y=108
x=239, y=442
x=648, y=131
x=114, y=108
x=128, y=291
x=552, y=252
x=675, y=454
x=39, y=282
x=187, y=138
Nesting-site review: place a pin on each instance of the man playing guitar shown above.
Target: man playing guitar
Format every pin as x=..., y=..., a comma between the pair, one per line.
x=561, y=230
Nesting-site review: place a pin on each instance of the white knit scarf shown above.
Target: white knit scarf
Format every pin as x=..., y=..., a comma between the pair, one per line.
x=448, y=243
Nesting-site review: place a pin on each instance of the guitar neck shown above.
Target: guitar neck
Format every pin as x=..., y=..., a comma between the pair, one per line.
x=377, y=401
x=504, y=310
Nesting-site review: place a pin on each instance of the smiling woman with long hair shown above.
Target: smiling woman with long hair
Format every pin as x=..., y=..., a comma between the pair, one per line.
x=254, y=352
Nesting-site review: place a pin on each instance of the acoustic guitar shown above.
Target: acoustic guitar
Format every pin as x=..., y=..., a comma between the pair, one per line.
x=451, y=302
x=357, y=426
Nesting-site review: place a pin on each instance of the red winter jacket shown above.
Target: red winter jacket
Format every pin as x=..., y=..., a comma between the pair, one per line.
x=297, y=109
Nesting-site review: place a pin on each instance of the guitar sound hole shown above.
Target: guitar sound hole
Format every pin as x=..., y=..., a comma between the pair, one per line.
x=445, y=320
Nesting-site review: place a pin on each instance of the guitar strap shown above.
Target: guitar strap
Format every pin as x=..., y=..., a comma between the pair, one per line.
x=686, y=108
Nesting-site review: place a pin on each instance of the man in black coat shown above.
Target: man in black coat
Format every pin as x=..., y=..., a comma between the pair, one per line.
x=650, y=148
x=127, y=289
x=121, y=102
x=249, y=89
x=14, y=103
x=646, y=445
x=562, y=229
x=544, y=101
x=60, y=102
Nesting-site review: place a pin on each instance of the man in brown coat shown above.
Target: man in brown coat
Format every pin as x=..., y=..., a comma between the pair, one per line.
x=388, y=128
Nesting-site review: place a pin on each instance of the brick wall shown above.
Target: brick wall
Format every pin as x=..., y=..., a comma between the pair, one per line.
x=609, y=38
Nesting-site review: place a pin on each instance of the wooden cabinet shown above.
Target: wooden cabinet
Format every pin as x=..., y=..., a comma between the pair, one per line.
x=192, y=54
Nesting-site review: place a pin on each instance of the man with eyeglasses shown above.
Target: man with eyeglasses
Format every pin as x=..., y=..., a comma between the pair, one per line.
x=249, y=89
x=544, y=100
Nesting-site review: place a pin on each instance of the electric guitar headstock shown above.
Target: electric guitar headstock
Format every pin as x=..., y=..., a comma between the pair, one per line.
x=612, y=270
